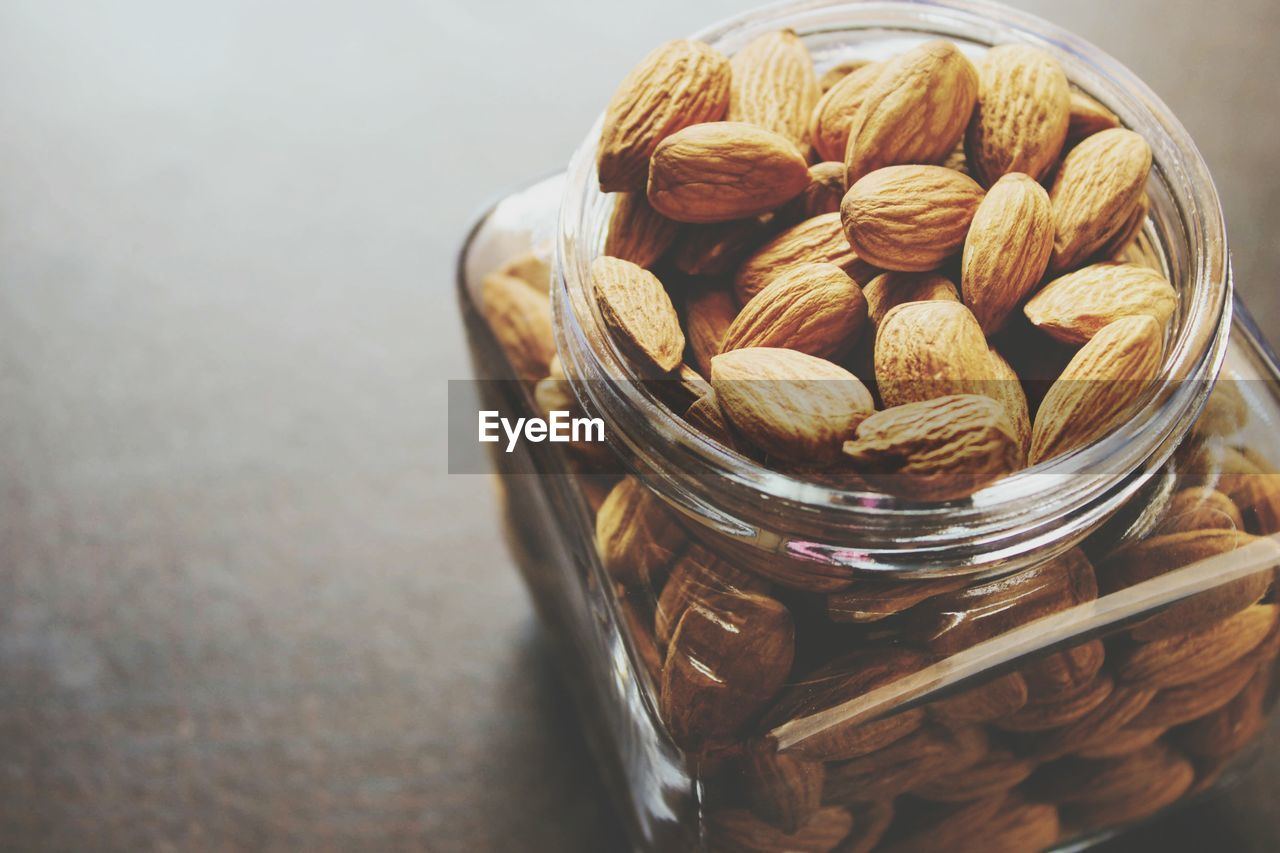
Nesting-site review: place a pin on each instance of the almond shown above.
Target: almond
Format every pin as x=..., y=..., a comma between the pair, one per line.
x=1017, y=827
x=1150, y=558
x=638, y=312
x=1043, y=716
x=813, y=308
x=781, y=788
x=1006, y=250
x=950, y=623
x=678, y=84
x=1098, y=388
x=1087, y=117
x=1174, y=706
x=998, y=697
x=839, y=680
x=698, y=576
x=637, y=232
x=871, y=820
x=533, y=267
x=1200, y=508
x=814, y=241
x=724, y=170
x=909, y=218
x=773, y=85
x=1020, y=120
x=891, y=289
x=915, y=111
x=1153, y=788
x=1065, y=673
x=739, y=831
x=930, y=349
x=636, y=535
x=707, y=417
x=708, y=315
x=829, y=124
x=720, y=247
x=1075, y=780
x=1229, y=729
x=928, y=752
x=1121, y=706
x=1075, y=307
x=726, y=659
x=1185, y=658
x=1005, y=387
x=1095, y=192
x=792, y=405
x=839, y=71
x=870, y=600
x=1122, y=742
x=823, y=195
x=929, y=827
x=998, y=772
x=939, y=449
x=520, y=317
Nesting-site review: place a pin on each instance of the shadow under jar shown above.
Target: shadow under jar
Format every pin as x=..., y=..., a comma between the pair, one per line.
x=765, y=661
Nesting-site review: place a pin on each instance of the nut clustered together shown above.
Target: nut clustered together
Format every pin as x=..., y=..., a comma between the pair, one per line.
x=917, y=274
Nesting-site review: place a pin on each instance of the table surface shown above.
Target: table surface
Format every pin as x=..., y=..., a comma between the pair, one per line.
x=242, y=605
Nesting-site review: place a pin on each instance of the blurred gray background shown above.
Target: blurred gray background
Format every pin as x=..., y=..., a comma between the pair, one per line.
x=241, y=604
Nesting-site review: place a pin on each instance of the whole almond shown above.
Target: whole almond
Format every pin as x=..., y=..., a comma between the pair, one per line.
x=520, y=317
x=1149, y=558
x=1200, y=508
x=637, y=232
x=999, y=771
x=909, y=218
x=1075, y=307
x=1126, y=740
x=720, y=247
x=773, y=85
x=1121, y=706
x=837, y=681
x=1006, y=250
x=998, y=697
x=937, y=449
x=1046, y=716
x=1075, y=780
x=918, y=758
x=740, y=831
x=839, y=71
x=870, y=600
x=1153, y=788
x=533, y=267
x=1017, y=827
x=698, y=576
x=637, y=536
x=726, y=658
x=706, y=416
x=784, y=789
x=1185, y=658
x=817, y=240
x=891, y=289
x=638, y=312
x=1095, y=192
x=678, y=84
x=792, y=405
x=1087, y=117
x=930, y=349
x=1064, y=673
x=915, y=111
x=724, y=170
x=1126, y=240
x=1098, y=388
x=1020, y=121
x=1174, y=706
x=1229, y=729
x=829, y=124
x=813, y=308
x=1005, y=387
x=823, y=195
x=708, y=316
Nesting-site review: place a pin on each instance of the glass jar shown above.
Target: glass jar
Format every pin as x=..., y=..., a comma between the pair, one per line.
x=768, y=662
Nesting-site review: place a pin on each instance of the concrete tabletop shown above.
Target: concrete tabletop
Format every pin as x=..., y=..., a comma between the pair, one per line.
x=242, y=606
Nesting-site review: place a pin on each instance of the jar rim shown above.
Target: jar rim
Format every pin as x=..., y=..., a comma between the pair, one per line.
x=1051, y=505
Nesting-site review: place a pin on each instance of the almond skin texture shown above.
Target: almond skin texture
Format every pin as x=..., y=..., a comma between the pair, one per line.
x=520, y=317
x=891, y=289
x=1006, y=389
x=1087, y=117
x=721, y=247
x=1185, y=658
x=1007, y=249
x=678, y=84
x=915, y=112
x=1095, y=192
x=823, y=195
x=909, y=218
x=773, y=85
x=816, y=240
x=637, y=310
x=1020, y=121
x=724, y=170
x=708, y=315
x=1098, y=387
x=637, y=232
x=636, y=535
x=1075, y=307
x=785, y=790
x=789, y=404
x=836, y=110
x=936, y=450
x=740, y=831
x=815, y=309
x=930, y=349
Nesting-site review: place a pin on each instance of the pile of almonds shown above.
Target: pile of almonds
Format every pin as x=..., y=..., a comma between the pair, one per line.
x=869, y=270
x=856, y=267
